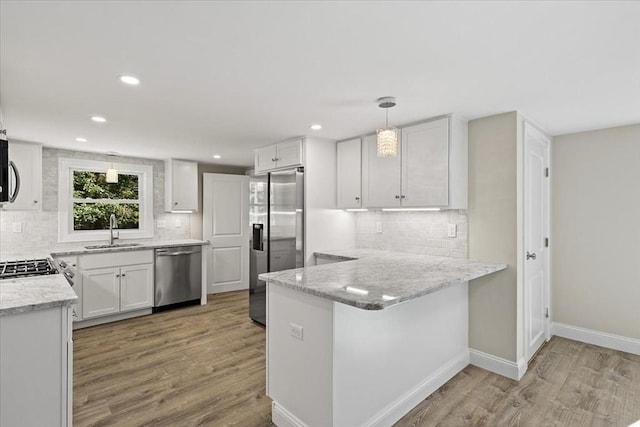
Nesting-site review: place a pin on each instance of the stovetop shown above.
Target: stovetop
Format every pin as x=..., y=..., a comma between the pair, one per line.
x=23, y=268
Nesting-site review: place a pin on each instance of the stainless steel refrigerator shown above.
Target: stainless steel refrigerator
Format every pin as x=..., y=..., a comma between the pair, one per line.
x=277, y=231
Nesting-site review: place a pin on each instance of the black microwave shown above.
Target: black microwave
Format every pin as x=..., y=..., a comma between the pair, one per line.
x=7, y=166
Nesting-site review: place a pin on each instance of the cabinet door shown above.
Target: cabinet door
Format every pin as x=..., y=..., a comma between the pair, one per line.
x=289, y=154
x=100, y=292
x=265, y=158
x=425, y=164
x=28, y=161
x=380, y=177
x=136, y=287
x=185, y=185
x=349, y=173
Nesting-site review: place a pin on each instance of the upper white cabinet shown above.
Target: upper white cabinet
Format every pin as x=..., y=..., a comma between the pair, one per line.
x=28, y=160
x=278, y=156
x=349, y=173
x=181, y=185
x=429, y=171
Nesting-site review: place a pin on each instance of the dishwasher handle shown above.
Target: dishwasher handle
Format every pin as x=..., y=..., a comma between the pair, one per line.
x=162, y=253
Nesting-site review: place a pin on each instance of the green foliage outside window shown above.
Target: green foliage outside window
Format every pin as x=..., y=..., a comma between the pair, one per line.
x=92, y=206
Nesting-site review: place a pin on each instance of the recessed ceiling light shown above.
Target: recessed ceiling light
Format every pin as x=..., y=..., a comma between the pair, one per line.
x=98, y=119
x=316, y=127
x=217, y=156
x=130, y=80
x=81, y=139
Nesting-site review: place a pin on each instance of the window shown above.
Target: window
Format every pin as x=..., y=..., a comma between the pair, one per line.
x=87, y=200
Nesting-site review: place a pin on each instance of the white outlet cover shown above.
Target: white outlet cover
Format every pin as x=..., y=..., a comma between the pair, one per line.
x=178, y=223
x=452, y=230
x=162, y=223
x=16, y=227
x=296, y=331
x=378, y=227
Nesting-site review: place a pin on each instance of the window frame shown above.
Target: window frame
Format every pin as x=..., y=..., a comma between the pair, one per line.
x=66, y=233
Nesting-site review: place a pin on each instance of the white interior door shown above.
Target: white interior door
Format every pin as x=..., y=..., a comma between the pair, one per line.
x=225, y=219
x=536, y=224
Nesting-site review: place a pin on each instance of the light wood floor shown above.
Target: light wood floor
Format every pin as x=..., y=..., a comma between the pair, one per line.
x=205, y=365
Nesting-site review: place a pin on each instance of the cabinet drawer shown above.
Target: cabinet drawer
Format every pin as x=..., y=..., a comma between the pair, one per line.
x=116, y=259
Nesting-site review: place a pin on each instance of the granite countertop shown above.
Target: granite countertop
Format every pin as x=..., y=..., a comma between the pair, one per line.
x=373, y=280
x=26, y=294
x=81, y=250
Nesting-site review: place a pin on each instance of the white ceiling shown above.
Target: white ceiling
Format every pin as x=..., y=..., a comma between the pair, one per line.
x=227, y=77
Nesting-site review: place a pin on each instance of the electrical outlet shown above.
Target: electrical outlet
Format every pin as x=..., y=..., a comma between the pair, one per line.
x=295, y=331
x=379, y=227
x=16, y=227
x=162, y=223
x=452, y=230
x=178, y=223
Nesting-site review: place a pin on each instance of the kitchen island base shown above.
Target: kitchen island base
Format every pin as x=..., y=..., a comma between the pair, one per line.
x=332, y=364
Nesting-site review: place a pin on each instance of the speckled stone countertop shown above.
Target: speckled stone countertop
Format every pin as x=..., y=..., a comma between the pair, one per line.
x=373, y=280
x=81, y=250
x=35, y=293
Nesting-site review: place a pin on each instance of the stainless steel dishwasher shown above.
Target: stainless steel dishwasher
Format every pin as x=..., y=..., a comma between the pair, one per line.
x=178, y=278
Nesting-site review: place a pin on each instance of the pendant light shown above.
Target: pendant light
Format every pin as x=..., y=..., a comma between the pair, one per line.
x=112, y=173
x=387, y=137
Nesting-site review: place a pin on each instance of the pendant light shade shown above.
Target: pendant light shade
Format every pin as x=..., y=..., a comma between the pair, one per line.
x=112, y=176
x=112, y=173
x=387, y=137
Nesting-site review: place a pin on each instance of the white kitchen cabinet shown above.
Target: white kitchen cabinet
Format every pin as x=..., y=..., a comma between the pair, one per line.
x=430, y=169
x=28, y=160
x=136, y=287
x=181, y=185
x=101, y=292
x=380, y=177
x=278, y=156
x=349, y=174
x=116, y=282
x=36, y=368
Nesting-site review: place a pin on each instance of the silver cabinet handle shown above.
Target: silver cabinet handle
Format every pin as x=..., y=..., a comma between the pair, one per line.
x=531, y=255
x=402, y=196
x=397, y=196
x=357, y=198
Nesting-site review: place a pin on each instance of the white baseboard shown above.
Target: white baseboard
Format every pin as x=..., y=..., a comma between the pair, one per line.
x=602, y=339
x=283, y=418
x=399, y=408
x=216, y=289
x=498, y=365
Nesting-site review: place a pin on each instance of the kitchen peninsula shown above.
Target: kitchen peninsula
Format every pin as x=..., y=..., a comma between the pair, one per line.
x=361, y=341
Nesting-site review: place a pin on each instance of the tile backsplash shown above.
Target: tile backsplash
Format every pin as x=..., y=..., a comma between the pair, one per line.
x=416, y=232
x=39, y=230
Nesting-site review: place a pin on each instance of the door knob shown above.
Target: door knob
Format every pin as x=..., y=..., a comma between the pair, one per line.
x=531, y=255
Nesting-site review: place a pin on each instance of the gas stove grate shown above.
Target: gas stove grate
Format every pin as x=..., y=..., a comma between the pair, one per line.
x=33, y=267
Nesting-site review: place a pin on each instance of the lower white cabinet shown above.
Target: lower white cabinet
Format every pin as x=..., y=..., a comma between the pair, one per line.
x=36, y=352
x=114, y=284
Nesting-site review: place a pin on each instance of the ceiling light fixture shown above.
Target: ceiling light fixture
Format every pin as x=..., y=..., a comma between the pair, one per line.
x=316, y=127
x=130, y=80
x=112, y=173
x=387, y=137
x=81, y=139
x=217, y=156
x=98, y=119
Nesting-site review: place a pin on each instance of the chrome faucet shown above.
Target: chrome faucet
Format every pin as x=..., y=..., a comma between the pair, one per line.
x=113, y=223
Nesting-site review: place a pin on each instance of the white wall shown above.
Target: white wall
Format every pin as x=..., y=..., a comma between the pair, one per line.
x=493, y=225
x=40, y=229
x=595, y=219
x=326, y=227
x=415, y=232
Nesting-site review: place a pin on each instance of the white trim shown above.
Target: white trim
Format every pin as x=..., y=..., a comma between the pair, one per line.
x=111, y=318
x=602, y=339
x=65, y=188
x=404, y=404
x=283, y=418
x=218, y=288
x=498, y=365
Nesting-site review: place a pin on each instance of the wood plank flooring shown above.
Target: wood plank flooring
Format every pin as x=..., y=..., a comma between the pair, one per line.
x=205, y=366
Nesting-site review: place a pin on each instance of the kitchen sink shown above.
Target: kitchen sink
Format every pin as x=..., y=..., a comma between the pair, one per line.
x=115, y=245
